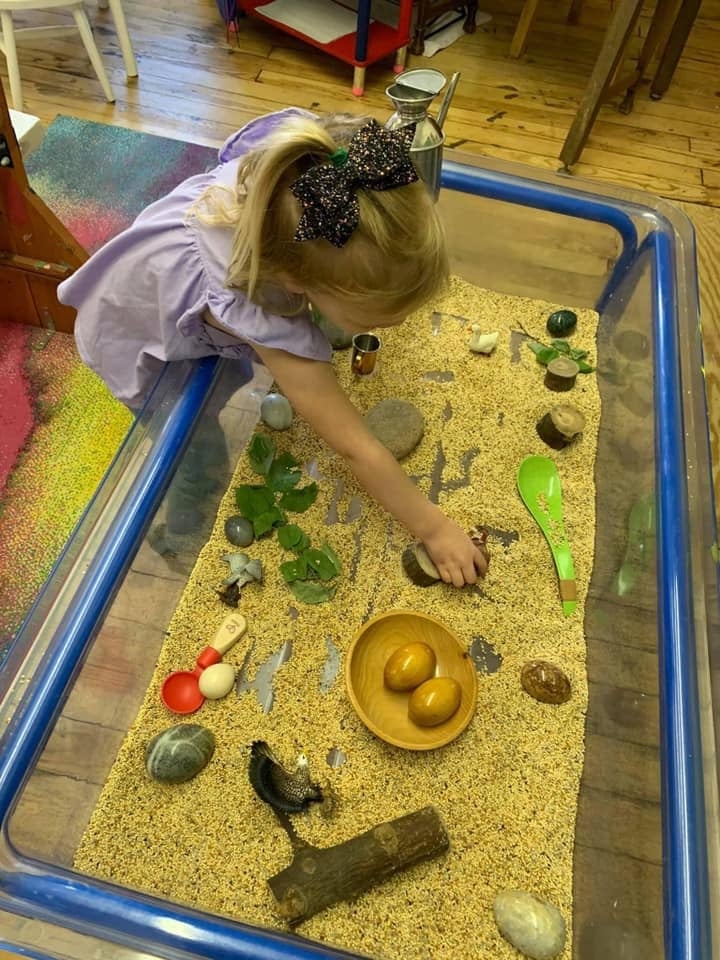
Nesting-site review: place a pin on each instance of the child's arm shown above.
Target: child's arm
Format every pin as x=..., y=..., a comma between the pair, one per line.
x=313, y=390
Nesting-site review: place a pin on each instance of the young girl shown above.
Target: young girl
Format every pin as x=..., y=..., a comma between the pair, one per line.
x=301, y=210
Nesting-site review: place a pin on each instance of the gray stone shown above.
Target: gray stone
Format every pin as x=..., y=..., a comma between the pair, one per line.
x=179, y=753
x=533, y=926
x=397, y=424
x=276, y=412
x=239, y=531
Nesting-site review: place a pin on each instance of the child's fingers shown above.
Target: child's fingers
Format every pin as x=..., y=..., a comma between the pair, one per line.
x=481, y=562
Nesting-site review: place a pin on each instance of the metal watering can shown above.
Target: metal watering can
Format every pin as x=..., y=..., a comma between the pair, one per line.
x=412, y=94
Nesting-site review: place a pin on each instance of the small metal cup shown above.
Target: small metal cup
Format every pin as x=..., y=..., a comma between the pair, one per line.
x=366, y=347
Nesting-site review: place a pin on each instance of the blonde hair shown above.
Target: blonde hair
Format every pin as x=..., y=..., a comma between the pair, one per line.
x=395, y=260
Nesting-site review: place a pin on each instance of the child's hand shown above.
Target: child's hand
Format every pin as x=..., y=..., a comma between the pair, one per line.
x=457, y=558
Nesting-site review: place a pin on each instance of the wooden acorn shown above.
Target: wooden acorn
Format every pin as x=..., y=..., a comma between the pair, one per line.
x=561, y=374
x=560, y=425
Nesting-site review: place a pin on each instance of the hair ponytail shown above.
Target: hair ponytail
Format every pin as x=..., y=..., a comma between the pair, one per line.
x=395, y=260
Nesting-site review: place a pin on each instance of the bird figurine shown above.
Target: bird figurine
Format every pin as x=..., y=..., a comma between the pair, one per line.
x=284, y=791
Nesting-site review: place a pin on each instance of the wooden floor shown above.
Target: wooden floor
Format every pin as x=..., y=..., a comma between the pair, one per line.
x=194, y=86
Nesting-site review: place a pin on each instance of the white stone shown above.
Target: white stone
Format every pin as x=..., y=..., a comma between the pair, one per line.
x=276, y=412
x=533, y=926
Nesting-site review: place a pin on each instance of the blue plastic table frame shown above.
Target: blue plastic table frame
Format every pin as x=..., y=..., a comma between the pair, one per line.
x=62, y=897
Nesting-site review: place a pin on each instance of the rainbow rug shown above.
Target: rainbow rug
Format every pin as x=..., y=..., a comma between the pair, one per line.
x=59, y=426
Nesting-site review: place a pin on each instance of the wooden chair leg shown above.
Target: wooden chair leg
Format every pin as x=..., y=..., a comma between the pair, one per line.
x=118, y=15
x=10, y=51
x=519, y=40
x=660, y=26
x=574, y=12
x=470, y=15
x=674, y=46
x=611, y=55
x=83, y=25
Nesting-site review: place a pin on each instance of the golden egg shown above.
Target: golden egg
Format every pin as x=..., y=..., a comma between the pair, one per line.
x=409, y=666
x=434, y=701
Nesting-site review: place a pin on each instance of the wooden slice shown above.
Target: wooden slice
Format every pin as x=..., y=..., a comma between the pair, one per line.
x=561, y=374
x=419, y=567
x=560, y=425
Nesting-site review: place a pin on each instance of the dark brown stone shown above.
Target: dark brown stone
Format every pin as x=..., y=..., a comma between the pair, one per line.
x=545, y=682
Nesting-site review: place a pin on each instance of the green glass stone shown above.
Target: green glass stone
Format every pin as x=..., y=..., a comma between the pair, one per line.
x=561, y=323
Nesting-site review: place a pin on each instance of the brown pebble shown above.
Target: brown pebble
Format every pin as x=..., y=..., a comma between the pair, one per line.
x=544, y=681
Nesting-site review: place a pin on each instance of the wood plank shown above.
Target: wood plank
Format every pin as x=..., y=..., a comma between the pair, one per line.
x=707, y=231
x=49, y=800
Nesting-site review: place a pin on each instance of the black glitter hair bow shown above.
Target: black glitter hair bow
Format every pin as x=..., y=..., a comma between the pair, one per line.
x=375, y=159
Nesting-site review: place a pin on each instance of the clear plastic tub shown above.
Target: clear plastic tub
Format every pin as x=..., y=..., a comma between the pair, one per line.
x=647, y=827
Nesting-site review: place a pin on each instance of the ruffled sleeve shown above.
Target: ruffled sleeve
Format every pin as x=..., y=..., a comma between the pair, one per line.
x=129, y=295
x=141, y=300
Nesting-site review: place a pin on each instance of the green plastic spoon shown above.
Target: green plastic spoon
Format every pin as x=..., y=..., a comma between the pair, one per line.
x=539, y=486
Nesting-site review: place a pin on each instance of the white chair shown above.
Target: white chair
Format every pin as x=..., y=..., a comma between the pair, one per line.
x=77, y=8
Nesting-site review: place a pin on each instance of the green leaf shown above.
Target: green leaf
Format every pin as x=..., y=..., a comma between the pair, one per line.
x=298, y=501
x=294, y=569
x=320, y=563
x=302, y=544
x=263, y=523
x=536, y=347
x=312, y=592
x=585, y=367
x=252, y=501
x=261, y=452
x=332, y=557
x=289, y=536
x=283, y=475
x=562, y=346
x=545, y=355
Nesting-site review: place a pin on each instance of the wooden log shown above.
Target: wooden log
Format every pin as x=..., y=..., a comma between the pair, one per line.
x=317, y=877
x=561, y=374
x=560, y=425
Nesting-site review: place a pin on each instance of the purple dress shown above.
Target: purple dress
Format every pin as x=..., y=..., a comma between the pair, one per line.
x=140, y=299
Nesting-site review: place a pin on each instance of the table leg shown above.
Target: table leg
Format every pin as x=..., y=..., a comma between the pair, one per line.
x=674, y=47
x=358, y=87
x=363, y=29
x=470, y=26
x=613, y=49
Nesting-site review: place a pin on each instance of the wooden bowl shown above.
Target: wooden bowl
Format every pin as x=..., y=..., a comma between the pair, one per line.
x=385, y=711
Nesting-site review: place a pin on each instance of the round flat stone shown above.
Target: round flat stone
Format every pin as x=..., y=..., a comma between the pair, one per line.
x=533, y=926
x=179, y=753
x=397, y=424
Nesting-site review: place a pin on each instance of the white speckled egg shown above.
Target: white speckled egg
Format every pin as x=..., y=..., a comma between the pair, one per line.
x=276, y=412
x=217, y=680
